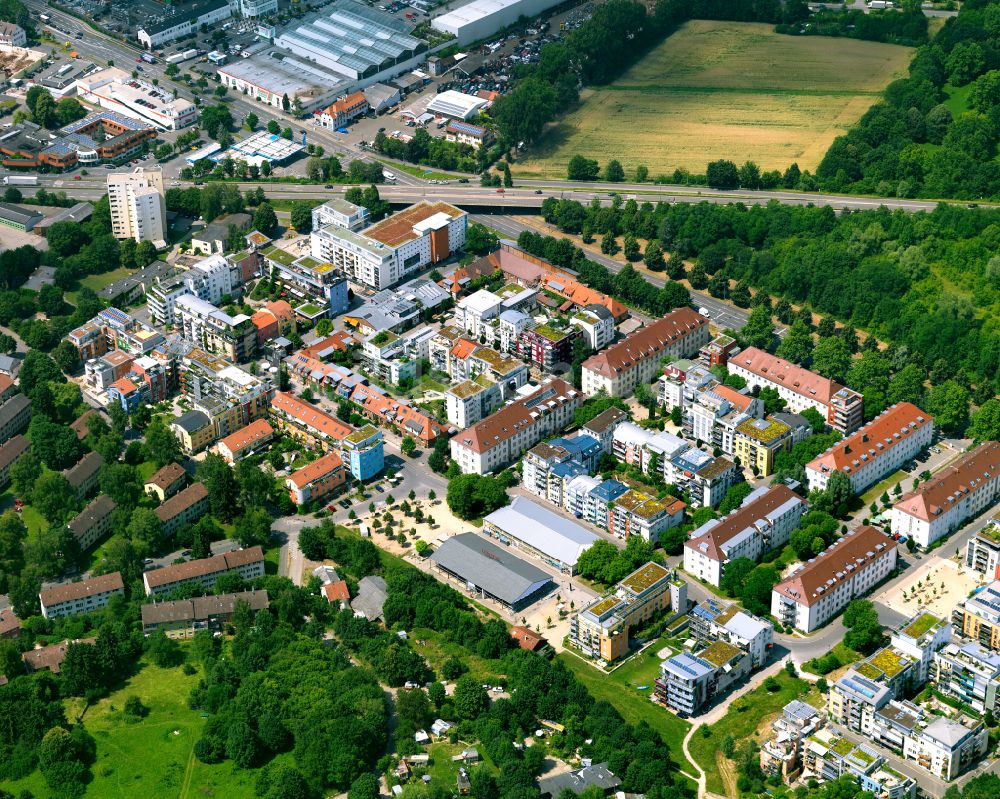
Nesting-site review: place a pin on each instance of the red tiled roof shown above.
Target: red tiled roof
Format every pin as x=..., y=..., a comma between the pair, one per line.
x=8, y=622
x=738, y=521
x=646, y=342
x=841, y=559
x=263, y=319
x=581, y=295
x=463, y=349
x=51, y=657
x=948, y=487
x=281, y=309
x=167, y=476
x=124, y=386
x=318, y=469
x=180, y=502
x=80, y=590
x=873, y=440
x=526, y=638
x=739, y=401
x=787, y=374
x=410, y=419
x=80, y=425
x=337, y=591
x=311, y=416
x=249, y=435
x=509, y=420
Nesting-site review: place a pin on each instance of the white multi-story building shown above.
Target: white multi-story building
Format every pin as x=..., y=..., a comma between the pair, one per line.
x=473, y=312
x=138, y=207
x=970, y=673
x=163, y=29
x=713, y=620
x=12, y=35
x=620, y=368
x=340, y=213
x=819, y=589
x=387, y=252
x=763, y=522
x=827, y=756
x=715, y=413
x=951, y=497
x=85, y=596
x=507, y=434
x=842, y=408
x=116, y=90
x=210, y=279
x=254, y=9
x=982, y=553
x=895, y=436
x=597, y=324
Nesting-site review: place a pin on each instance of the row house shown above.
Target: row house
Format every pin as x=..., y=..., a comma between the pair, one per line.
x=84, y=596
x=247, y=563
x=503, y=437
x=184, y=618
x=182, y=508
x=951, y=497
x=621, y=367
x=308, y=423
x=763, y=522
x=318, y=480
x=399, y=416
x=601, y=629
x=252, y=438
x=881, y=447
x=823, y=586
x=842, y=408
x=84, y=475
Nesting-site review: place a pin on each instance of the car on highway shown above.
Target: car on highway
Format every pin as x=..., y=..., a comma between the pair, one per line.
x=328, y=186
x=538, y=191
x=500, y=191
x=463, y=180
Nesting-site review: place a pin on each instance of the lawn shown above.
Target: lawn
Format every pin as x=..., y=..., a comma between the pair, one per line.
x=873, y=493
x=418, y=171
x=641, y=669
x=436, y=650
x=97, y=282
x=152, y=758
x=742, y=720
x=724, y=90
x=633, y=705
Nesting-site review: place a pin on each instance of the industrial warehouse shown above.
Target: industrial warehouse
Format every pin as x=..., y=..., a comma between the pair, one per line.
x=491, y=571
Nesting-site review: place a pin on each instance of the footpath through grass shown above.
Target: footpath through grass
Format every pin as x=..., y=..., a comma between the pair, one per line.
x=741, y=722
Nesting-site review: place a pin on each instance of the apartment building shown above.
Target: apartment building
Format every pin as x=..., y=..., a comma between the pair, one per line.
x=892, y=438
x=138, y=207
x=15, y=414
x=705, y=477
x=340, y=213
x=951, y=497
x=714, y=620
x=166, y=482
x=820, y=588
x=781, y=751
x=113, y=329
x=182, y=508
x=194, y=430
x=757, y=442
x=682, y=381
x=982, y=552
x=621, y=367
x=364, y=450
x=637, y=514
x=548, y=467
x=215, y=331
x=247, y=563
x=83, y=476
x=920, y=636
x=343, y=111
x=687, y=682
x=826, y=755
x=12, y=35
x=209, y=279
x=969, y=673
x=85, y=596
x=308, y=423
x=472, y=313
x=713, y=412
x=764, y=521
x=93, y=523
x=842, y=408
x=10, y=452
x=388, y=251
x=548, y=345
x=591, y=499
x=648, y=450
x=597, y=325
x=501, y=438
x=183, y=618
x=601, y=629
x=229, y=396
x=977, y=618
x=252, y=438
x=602, y=427
x=317, y=480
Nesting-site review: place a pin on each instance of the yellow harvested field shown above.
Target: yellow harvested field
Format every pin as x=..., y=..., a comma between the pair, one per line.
x=724, y=90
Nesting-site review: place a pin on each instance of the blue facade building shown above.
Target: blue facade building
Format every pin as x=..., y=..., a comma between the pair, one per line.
x=365, y=451
x=338, y=296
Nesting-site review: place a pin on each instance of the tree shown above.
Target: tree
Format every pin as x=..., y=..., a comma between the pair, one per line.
x=985, y=422
x=161, y=443
x=759, y=329
x=508, y=180
x=273, y=127
x=364, y=787
x=301, y=217
x=722, y=174
x=144, y=529
x=734, y=498
x=472, y=496
x=407, y=446
x=253, y=528
x=470, y=698
x=797, y=345
x=581, y=168
x=948, y=403
x=250, y=121
x=265, y=220
x=56, y=445
x=163, y=651
x=832, y=358
x=613, y=172
x=864, y=630
x=223, y=491
x=735, y=575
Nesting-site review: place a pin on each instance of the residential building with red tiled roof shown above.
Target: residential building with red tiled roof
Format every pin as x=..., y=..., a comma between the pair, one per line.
x=895, y=436
x=317, y=480
x=820, y=588
x=10, y=451
x=248, y=563
x=267, y=325
x=621, y=367
x=7, y=388
x=10, y=624
x=500, y=438
x=951, y=497
x=763, y=522
x=80, y=425
x=396, y=414
x=235, y=447
x=527, y=638
x=187, y=506
x=84, y=596
x=307, y=422
x=51, y=657
x=166, y=482
x=336, y=592
x=842, y=407
x=342, y=111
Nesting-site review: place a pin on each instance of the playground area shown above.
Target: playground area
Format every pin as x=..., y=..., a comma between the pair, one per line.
x=937, y=586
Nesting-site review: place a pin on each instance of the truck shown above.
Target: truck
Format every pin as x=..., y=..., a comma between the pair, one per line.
x=20, y=180
x=148, y=58
x=389, y=177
